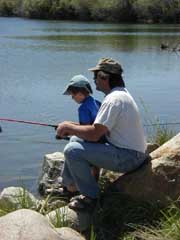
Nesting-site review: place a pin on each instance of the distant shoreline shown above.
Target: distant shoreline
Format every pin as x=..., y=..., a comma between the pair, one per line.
x=114, y=11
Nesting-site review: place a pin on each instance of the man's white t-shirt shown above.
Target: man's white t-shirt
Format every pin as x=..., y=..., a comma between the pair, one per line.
x=120, y=114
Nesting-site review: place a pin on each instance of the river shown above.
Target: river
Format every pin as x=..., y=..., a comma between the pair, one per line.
x=37, y=59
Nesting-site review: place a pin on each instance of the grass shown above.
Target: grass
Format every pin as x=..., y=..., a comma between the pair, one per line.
x=117, y=214
x=60, y=218
x=168, y=227
x=92, y=234
x=163, y=134
x=119, y=217
x=157, y=131
x=21, y=200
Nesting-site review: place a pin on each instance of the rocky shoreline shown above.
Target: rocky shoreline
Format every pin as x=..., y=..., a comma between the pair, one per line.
x=26, y=217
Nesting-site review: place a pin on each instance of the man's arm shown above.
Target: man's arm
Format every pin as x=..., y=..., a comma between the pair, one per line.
x=87, y=132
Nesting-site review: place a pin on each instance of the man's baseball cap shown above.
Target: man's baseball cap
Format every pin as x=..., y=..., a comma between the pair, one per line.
x=108, y=65
x=78, y=81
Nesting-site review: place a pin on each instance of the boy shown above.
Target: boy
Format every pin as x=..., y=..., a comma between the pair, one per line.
x=80, y=90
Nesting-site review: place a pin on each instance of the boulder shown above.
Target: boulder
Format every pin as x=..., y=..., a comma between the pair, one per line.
x=26, y=225
x=69, y=234
x=159, y=180
x=65, y=216
x=13, y=198
x=51, y=170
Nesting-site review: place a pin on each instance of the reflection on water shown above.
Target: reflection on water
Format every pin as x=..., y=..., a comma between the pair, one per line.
x=37, y=58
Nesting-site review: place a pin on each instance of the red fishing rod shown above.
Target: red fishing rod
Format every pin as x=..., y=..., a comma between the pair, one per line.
x=34, y=123
x=28, y=122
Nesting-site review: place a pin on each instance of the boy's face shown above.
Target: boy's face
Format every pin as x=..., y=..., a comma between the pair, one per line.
x=78, y=97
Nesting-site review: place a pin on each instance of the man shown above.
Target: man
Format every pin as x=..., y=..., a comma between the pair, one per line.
x=119, y=120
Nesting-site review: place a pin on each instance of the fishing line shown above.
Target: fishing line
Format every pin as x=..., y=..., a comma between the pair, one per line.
x=161, y=124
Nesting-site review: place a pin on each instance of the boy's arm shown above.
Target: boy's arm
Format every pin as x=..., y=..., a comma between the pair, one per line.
x=87, y=132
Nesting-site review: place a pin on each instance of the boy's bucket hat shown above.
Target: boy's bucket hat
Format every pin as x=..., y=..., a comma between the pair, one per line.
x=108, y=65
x=78, y=81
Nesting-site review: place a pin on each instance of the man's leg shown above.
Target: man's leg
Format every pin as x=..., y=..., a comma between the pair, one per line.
x=80, y=155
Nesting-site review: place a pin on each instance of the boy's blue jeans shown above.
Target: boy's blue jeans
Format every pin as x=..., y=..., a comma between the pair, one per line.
x=80, y=155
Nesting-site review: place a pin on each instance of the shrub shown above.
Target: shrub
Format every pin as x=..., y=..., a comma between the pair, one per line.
x=158, y=10
x=62, y=9
x=114, y=10
x=10, y=7
x=36, y=8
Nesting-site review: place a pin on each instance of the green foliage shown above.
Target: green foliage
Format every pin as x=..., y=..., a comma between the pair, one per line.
x=92, y=234
x=60, y=218
x=98, y=10
x=121, y=218
x=163, y=134
x=170, y=224
x=5, y=210
x=157, y=132
x=82, y=8
x=36, y=8
x=62, y=9
x=113, y=10
x=10, y=7
x=168, y=227
x=22, y=200
x=118, y=214
x=158, y=10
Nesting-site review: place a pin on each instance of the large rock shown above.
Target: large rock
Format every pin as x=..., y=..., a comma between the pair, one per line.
x=69, y=234
x=51, y=170
x=79, y=221
x=26, y=225
x=157, y=180
x=13, y=198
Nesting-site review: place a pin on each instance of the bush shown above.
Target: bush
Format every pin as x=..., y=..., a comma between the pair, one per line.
x=114, y=10
x=98, y=10
x=82, y=8
x=10, y=7
x=158, y=10
x=36, y=8
x=62, y=9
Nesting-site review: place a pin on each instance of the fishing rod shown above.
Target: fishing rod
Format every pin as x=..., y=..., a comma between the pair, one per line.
x=33, y=123
x=28, y=122
x=67, y=138
x=55, y=125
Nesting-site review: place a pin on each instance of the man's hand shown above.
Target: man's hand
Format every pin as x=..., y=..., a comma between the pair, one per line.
x=63, y=129
x=86, y=132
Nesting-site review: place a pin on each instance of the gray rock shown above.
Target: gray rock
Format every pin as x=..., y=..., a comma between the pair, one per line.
x=158, y=180
x=13, y=198
x=26, y=225
x=51, y=170
x=69, y=234
x=64, y=216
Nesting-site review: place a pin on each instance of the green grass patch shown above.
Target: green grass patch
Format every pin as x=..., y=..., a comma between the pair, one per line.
x=157, y=131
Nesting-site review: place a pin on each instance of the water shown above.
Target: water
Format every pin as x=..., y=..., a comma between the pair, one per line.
x=37, y=59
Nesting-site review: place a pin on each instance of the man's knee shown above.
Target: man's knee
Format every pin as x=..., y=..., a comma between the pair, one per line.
x=72, y=150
